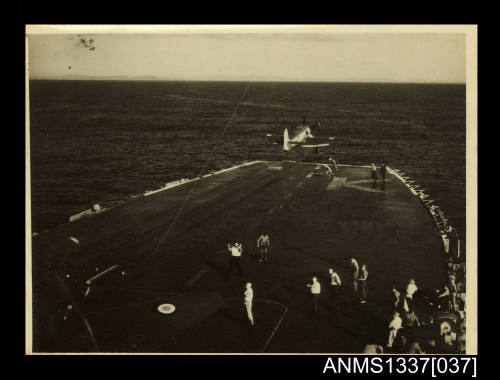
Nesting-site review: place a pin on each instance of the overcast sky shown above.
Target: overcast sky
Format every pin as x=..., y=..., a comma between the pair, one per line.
x=330, y=57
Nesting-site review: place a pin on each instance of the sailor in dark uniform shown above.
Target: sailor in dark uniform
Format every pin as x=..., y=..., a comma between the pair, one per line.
x=263, y=246
x=383, y=171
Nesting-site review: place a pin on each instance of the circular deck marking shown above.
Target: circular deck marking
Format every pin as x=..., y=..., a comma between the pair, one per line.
x=166, y=308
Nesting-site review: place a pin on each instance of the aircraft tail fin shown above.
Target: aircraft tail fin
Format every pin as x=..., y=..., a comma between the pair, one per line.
x=286, y=141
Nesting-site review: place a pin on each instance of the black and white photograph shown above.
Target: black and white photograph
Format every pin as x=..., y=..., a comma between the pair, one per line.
x=251, y=189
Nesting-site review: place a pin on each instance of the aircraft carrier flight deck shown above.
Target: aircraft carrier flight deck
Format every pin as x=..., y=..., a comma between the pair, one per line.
x=170, y=246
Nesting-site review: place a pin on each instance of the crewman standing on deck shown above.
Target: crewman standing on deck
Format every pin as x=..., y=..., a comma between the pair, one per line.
x=235, y=259
x=397, y=298
x=395, y=324
x=334, y=278
x=335, y=284
x=383, y=171
x=374, y=172
x=334, y=163
x=315, y=292
x=443, y=298
x=263, y=246
x=363, y=276
x=411, y=288
x=248, y=302
x=355, y=272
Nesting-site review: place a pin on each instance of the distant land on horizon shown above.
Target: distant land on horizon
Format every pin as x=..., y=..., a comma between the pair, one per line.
x=215, y=79
x=90, y=77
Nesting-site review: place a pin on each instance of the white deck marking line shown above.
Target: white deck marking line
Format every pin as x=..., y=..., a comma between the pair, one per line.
x=339, y=182
x=319, y=163
x=226, y=298
x=277, y=324
x=90, y=280
x=198, y=275
x=294, y=204
x=324, y=166
x=362, y=188
x=213, y=151
x=336, y=183
x=74, y=239
x=89, y=329
x=365, y=181
x=355, y=166
x=286, y=199
x=287, y=196
x=182, y=181
x=254, y=224
x=290, y=203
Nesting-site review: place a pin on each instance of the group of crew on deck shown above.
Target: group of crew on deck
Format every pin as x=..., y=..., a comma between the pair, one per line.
x=407, y=332
x=373, y=169
x=236, y=250
x=416, y=325
x=383, y=172
x=360, y=278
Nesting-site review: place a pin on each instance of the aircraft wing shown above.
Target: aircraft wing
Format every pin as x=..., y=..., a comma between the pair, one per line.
x=316, y=142
x=274, y=139
x=322, y=138
x=314, y=145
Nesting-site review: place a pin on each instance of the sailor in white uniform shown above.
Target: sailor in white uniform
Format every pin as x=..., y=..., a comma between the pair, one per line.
x=411, y=288
x=334, y=163
x=315, y=292
x=334, y=278
x=394, y=326
x=248, y=302
x=235, y=259
x=355, y=272
x=374, y=172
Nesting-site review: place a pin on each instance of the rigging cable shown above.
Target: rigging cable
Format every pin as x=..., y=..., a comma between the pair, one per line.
x=214, y=149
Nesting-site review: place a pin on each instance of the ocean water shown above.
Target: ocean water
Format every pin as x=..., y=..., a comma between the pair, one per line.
x=103, y=141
